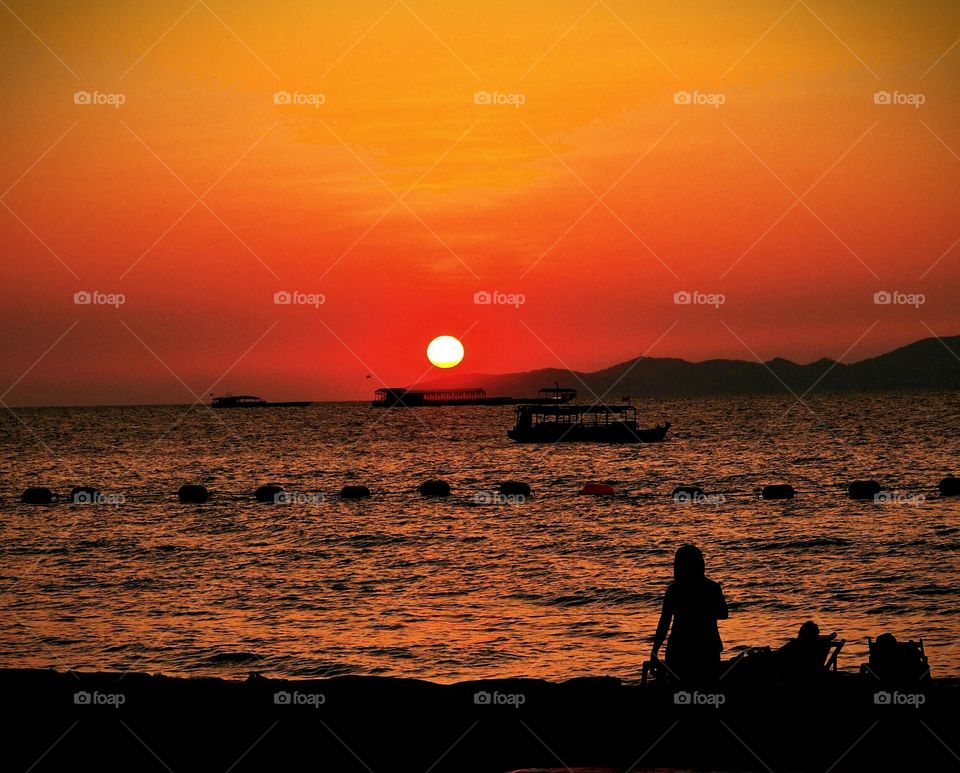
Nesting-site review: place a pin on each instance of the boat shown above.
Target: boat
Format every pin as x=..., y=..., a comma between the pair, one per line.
x=252, y=401
x=555, y=395
x=401, y=397
x=582, y=423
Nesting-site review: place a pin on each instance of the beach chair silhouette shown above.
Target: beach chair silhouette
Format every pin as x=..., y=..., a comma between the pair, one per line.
x=892, y=660
x=791, y=663
x=832, y=652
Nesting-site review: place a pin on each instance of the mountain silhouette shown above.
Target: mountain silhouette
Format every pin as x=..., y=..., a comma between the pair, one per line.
x=928, y=364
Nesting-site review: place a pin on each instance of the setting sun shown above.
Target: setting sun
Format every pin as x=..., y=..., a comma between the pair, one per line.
x=445, y=351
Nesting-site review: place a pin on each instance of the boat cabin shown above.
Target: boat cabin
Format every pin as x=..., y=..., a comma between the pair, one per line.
x=596, y=423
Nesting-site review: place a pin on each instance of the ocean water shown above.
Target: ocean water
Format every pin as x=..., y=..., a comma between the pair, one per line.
x=557, y=586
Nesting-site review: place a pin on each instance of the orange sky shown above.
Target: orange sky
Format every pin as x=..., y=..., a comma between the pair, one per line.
x=495, y=197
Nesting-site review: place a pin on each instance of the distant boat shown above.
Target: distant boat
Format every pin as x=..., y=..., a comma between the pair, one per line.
x=554, y=395
x=252, y=401
x=582, y=423
x=400, y=397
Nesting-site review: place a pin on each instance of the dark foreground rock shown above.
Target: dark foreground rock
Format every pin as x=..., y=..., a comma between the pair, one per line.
x=120, y=721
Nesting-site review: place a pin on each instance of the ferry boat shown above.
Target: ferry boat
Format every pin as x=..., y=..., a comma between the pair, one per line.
x=582, y=423
x=554, y=395
x=252, y=401
x=399, y=397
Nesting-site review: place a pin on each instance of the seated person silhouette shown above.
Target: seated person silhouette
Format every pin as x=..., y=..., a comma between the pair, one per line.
x=892, y=660
x=805, y=655
x=693, y=604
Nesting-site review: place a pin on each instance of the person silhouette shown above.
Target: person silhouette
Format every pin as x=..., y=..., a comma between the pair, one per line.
x=694, y=604
x=804, y=656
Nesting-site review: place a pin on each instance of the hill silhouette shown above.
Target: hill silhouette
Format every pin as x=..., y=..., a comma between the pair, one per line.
x=928, y=364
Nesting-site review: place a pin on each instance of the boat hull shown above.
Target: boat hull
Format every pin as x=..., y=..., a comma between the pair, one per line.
x=400, y=397
x=553, y=432
x=413, y=403
x=300, y=404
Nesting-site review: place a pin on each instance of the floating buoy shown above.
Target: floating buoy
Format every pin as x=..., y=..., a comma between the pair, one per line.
x=435, y=488
x=515, y=488
x=37, y=495
x=949, y=486
x=84, y=495
x=354, y=492
x=863, y=489
x=687, y=493
x=193, y=493
x=778, y=491
x=598, y=489
x=269, y=493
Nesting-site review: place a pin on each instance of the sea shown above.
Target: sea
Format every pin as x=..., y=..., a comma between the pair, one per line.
x=554, y=585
